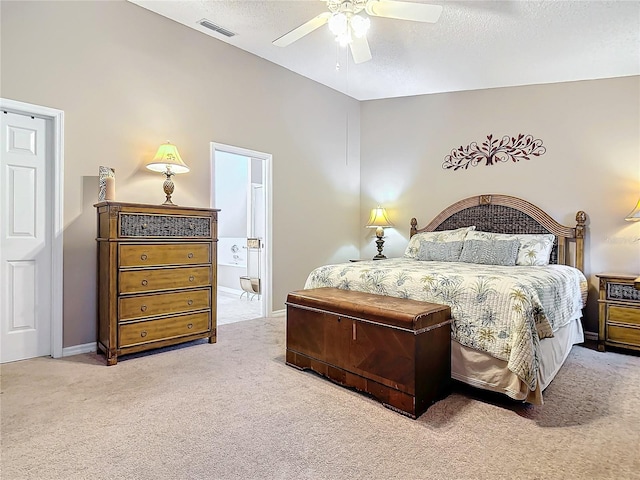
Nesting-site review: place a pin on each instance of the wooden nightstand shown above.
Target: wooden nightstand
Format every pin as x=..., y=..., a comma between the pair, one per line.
x=619, y=320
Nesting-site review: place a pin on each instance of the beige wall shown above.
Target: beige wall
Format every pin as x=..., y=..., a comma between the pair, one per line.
x=128, y=80
x=591, y=131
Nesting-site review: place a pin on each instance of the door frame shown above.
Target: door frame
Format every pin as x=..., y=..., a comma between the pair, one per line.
x=266, y=285
x=55, y=144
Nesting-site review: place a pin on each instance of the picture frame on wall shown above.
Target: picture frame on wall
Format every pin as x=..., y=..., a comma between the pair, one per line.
x=106, y=184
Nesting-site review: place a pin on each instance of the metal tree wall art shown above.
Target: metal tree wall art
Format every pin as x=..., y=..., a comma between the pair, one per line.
x=493, y=151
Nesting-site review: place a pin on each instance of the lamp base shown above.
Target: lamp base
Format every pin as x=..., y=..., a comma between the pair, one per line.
x=168, y=188
x=379, y=243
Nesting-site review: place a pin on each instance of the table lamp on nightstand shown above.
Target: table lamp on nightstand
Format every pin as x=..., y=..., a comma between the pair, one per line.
x=379, y=220
x=167, y=160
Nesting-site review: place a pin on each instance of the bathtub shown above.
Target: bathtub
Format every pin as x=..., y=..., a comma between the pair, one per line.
x=232, y=262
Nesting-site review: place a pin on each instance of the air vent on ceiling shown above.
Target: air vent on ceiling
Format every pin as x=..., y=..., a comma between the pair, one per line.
x=216, y=28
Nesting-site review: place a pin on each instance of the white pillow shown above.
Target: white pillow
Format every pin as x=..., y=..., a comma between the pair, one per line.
x=444, y=236
x=535, y=248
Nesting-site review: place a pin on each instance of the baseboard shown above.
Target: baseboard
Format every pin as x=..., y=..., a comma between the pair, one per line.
x=278, y=313
x=591, y=336
x=78, y=349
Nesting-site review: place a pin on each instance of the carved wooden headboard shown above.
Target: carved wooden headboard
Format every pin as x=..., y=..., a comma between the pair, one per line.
x=506, y=214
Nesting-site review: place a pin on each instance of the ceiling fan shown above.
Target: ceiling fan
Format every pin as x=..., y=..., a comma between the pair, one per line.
x=350, y=27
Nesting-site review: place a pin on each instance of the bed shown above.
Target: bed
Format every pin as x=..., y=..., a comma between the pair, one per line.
x=513, y=277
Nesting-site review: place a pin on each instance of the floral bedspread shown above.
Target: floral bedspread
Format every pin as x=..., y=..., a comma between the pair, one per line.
x=503, y=311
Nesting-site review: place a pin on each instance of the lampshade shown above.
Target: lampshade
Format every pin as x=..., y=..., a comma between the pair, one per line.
x=167, y=158
x=378, y=218
x=634, y=216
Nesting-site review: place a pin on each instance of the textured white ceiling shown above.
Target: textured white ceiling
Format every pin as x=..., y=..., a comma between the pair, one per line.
x=474, y=44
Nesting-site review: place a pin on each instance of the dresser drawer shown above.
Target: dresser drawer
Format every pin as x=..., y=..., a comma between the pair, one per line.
x=628, y=315
x=142, y=306
x=622, y=291
x=158, y=225
x=164, y=254
x=626, y=335
x=152, y=279
x=162, y=329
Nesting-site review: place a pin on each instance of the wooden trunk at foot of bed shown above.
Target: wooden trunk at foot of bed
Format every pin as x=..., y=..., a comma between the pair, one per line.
x=397, y=350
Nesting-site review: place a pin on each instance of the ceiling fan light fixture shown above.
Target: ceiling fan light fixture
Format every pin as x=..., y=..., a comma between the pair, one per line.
x=350, y=28
x=338, y=24
x=346, y=25
x=360, y=25
x=344, y=39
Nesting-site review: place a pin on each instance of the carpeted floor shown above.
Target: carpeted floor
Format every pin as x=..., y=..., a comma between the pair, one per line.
x=234, y=410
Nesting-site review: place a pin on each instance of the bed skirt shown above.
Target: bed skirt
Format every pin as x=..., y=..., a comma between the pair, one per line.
x=479, y=369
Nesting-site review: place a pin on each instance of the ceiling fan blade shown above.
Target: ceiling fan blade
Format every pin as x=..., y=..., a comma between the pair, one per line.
x=417, y=12
x=360, y=50
x=302, y=30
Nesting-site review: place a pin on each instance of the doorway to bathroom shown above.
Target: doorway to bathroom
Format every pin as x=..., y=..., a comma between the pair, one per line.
x=241, y=185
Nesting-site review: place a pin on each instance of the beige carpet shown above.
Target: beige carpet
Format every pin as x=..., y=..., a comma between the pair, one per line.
x=234, y=410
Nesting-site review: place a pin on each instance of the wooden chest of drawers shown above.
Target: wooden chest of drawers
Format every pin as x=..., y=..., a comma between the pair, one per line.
x=619, y=300
x=156, y=276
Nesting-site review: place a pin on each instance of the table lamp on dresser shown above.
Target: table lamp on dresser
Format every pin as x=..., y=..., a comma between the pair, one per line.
x=168, y=161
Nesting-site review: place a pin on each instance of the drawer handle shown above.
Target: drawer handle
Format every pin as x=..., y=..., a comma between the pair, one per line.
x=192, y=278
x=143, y=333
x=189, y=302
x=144, y=283
x=143, y=256
x=192, y=226
x=143, y=308
x=144, y=225
x=190, y=255
x=190, y=326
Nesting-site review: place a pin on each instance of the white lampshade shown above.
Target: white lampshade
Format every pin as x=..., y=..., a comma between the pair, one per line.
x=634, y=216
x=166, y=159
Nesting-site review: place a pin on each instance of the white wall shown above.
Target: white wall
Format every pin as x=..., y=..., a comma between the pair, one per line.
x=125, y=90
x=591, y=131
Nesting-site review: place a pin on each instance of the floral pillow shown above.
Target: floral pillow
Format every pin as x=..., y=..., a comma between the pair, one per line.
x=534, y=249
x=414, y=247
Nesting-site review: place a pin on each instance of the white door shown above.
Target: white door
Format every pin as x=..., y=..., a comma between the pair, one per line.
x=25, y=238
